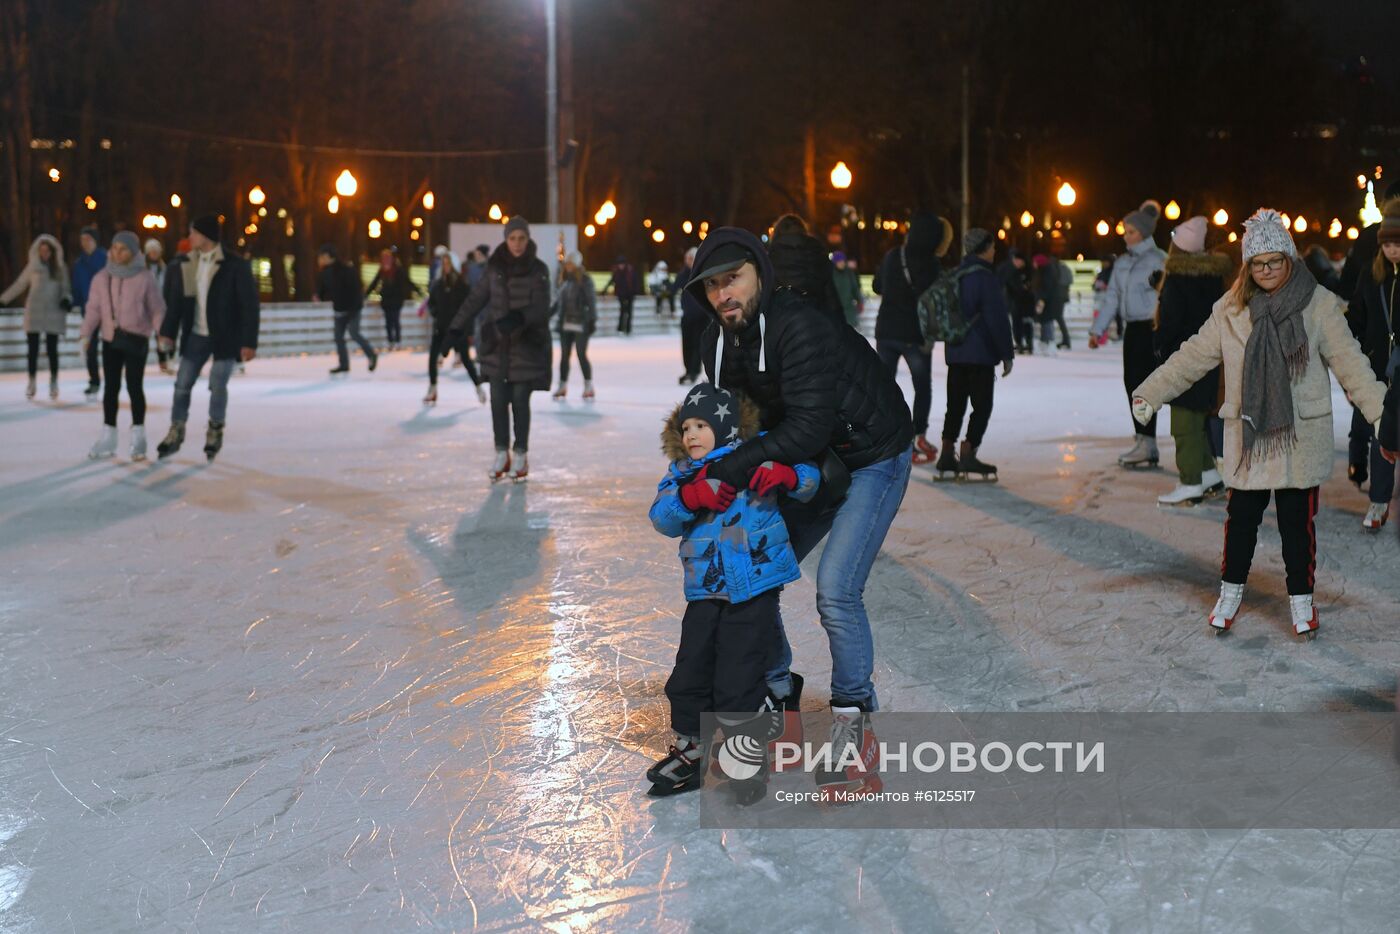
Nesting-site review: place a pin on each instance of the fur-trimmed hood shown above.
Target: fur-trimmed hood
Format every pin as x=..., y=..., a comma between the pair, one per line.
x=673, y=446
x=1200, y=264
x=57, y=248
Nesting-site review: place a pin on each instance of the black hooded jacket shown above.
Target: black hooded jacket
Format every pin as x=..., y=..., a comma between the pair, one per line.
x=905, y=273
x=800, y=263
x=817, y=386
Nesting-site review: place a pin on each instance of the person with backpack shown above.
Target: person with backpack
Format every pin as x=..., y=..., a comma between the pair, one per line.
x=906, y=273
x=972, y=360
x=340, y=285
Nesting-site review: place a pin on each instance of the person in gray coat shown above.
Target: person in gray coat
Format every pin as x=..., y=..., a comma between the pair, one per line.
x=45, y=279
x=577, y=308
x=516, y=351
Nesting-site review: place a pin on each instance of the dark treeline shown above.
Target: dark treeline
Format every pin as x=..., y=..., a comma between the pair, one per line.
x=729, y=111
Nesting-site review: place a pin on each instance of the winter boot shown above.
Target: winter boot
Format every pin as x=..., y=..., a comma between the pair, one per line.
x=1213, y=483
x=93, y=388
x=682, y=770
x=588, y=394
x=853, y=767
x=1143, y=454
x=1304, y=615
x=947, y=466
x=481, y=394
x=1185, y=494
x=31, y=389
x=521, y=466
x=1376, y=516
x=501, y=467
x=173, y=439
x=213, y=440
x=53, y=388
x=924, y=452
x=561, y=389
x=138, y=442
x=106, y=444
x=373, y=361
x=1227, y=607
x=431, y=397
x=969, y=466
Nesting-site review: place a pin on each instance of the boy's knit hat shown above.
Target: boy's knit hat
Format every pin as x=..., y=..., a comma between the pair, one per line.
x=719, y=408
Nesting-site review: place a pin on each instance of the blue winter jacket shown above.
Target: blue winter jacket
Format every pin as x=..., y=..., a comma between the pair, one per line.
x=983, y=303
x=85, y=267
x=740, y=553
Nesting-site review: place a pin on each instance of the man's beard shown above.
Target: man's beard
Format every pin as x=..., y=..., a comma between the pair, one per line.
x=750, y=312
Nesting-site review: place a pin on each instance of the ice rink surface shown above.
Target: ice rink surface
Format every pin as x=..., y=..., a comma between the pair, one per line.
x=338, y=682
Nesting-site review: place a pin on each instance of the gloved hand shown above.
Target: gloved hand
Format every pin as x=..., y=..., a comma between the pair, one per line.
x=1095, y=342
x=1006, y=367
x=510, y=322
x=1142, y=410
x=770, y=476
x=703, y=493
x=726, y=470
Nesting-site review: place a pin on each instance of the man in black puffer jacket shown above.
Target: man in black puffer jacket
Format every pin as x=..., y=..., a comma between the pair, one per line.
x=824, y=396
x=800, y=263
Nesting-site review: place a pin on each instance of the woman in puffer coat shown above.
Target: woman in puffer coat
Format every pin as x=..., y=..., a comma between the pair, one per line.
x=1279, y=335
x=1194, y=282
x=125, y=307
x=45, y=279
x=446, y=295
x=516, y=351
x=577, y=308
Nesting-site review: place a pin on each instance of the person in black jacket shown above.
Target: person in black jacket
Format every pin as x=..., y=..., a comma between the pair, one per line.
x=824, y=396
x=212, y=308
x=800, y=263
x=625, y=285
x=446, y=294
x=905, y=273
x=693, y=322
x=1363, y=251
x=395, y=288
x=1020, y=298
x=1193, y=282
x=340, y=285
x=1373, y=321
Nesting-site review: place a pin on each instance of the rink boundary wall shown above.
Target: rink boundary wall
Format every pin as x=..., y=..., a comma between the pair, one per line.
x=295, y=328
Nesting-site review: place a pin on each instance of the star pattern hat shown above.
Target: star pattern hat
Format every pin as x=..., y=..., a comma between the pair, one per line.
x=717, y=407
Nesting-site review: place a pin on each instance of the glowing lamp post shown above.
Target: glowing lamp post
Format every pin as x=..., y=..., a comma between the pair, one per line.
x=333, y=205
x=346, y=184
x=1066, y=196
x=391, y=214
x=1221, y=218
x=495, y=212
x=1101, y=228
x=1027, y=218
x=841, y=176
x=1172, y=210
x=257, y=196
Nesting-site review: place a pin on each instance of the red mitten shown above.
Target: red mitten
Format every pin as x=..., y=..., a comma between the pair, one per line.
x=703, y=493
x=769, y=476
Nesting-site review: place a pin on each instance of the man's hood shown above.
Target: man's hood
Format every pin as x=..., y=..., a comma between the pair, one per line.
x=695, y=289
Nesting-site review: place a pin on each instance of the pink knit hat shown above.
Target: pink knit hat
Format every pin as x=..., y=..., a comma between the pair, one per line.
x=1190, y=235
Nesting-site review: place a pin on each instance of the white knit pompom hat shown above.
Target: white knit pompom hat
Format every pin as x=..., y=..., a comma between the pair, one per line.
x=1266, y=232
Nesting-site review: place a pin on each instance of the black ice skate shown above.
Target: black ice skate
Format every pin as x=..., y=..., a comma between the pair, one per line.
x=788, y=714
x=213, y=440
x=173, y=439
x=682, y=770
x=970, y=468
x=947, y=466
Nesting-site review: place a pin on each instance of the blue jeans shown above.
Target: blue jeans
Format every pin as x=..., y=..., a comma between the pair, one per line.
x=197, y=352
x=854, y=532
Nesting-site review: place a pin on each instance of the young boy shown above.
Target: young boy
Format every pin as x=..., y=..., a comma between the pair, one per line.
x=736, y=557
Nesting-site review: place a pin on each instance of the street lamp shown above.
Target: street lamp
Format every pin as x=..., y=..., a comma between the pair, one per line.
x=391, y=214
x=840, y=176
x=687, y=226
x=1066, y=195
x=374, y=229
x=1102, y=229
x=1300, y=224
x=333, y=205
x=1221, y=218
x=175, y=201
x=590, y=231
x=495, y=212
x=1172, y=210
x=1027, y=218
x=346, y=184
x=55, y=175
x=658, y=235
x=429, y=201
x=257, y=195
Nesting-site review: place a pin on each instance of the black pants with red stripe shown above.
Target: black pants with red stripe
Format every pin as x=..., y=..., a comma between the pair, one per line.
x=1296, y=511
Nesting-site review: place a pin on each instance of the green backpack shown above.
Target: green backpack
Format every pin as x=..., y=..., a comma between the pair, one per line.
x=940, y=311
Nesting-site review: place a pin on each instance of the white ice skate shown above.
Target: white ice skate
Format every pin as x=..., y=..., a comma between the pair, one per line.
x=31, y=389
x=53, y=389
x=431, y=397
x=1185, y=494
x=1227, y=607
x=1304, y=615
x=501, y=466
x=1376, y=516
x=588, y=394
x=1213, y=483
x=138, y=442
x=481, y=394
x=106, y=444
x=521, y=469
x=560, y=391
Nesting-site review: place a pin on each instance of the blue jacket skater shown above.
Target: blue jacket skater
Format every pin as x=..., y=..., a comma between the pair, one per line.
x=740, y=553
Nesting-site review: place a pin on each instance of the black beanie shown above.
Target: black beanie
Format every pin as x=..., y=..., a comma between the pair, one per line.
x=719, y=408
x=208, y=225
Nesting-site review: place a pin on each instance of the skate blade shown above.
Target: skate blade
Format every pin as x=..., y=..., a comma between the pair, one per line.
x=1138, y=465
x=1308, y=636
x=945, y=476
x=519, y=479
x=1184, y=504
x=831, y=795
x=659, y=790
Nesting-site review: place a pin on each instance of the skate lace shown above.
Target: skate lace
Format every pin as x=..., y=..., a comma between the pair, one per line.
x=844, y=732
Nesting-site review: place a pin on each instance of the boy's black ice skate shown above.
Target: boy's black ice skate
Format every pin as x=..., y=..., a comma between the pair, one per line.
x=947, y=466
x=970, y=468
x=213, y=440
x=682, y=770
x=173, y=439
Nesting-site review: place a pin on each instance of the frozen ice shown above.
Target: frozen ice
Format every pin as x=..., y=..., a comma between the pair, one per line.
x=337, y=682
